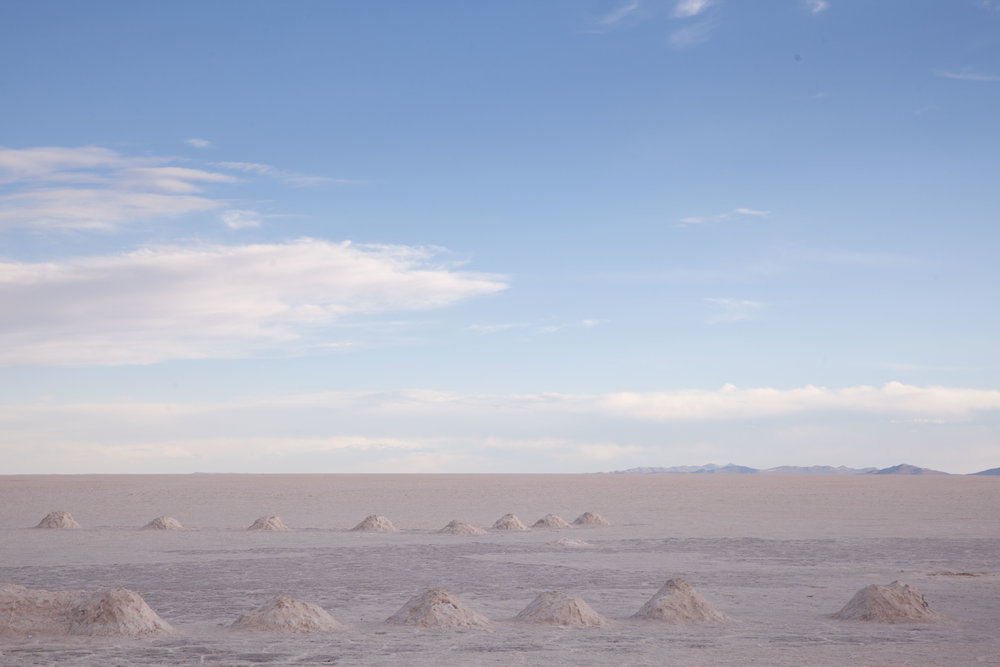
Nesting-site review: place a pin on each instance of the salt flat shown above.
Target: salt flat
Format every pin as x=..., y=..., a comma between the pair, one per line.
x=777, y=555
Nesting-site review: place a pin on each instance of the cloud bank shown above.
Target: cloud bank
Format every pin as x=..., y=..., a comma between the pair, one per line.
x=214, y=301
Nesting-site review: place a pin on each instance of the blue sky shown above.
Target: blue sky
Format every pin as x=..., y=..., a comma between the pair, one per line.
x=513, y=237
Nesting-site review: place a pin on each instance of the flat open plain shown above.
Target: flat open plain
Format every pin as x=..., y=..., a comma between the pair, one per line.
x=776, y=554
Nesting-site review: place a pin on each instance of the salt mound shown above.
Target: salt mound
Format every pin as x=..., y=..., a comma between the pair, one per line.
x=268, y=523
x=551, y=521
x=591, y=519
x=558, y=608
x=439, y=609
x=163, y=523
x=509, y=522
x=678, y=602
x=115, y=613
x=375, y=523
x=895, y=603
x=566, y=542
x=456, y=527
x=287, y=615
x=58, y=520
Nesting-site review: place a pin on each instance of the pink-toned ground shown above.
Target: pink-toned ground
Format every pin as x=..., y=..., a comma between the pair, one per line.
x=777, y=555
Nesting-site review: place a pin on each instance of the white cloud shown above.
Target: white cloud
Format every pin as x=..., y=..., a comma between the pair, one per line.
x=213, y=301
x=97, y=188
x=966, y=75
x=494, y=328
x=688, y=8
x=199, y=143
x=705, y=219
x=235, y=218
x=817, y=6
x=733, y=310
x=280, y=174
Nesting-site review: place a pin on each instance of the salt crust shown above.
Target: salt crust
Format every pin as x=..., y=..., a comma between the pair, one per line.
x=375, y=523
x=558, y=608
x=551, y=521
x=163, y=523
x=678, y=602
x=118, y=612
x=591, y=519
x=436, y=608
x=287, y=615
x=268, y=523
x=58, y=519
x=456, y=527
x=509, y=522
x=894, y=603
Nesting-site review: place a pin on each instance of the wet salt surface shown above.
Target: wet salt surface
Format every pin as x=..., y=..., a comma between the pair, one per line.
x=778, y=555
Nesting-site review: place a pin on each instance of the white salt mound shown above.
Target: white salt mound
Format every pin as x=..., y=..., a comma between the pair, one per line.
x=551, y=521
x=118, y=612
x=58, y=520
x=287, y=615
x=558, y=608
x=509, y=522
x=895, y=603
x=374, y=523
x=163, y=523
x=456, y=527
x=591, y=519
x=566, y=542
x=268, y=523
x=436, y=608
x=678, y=602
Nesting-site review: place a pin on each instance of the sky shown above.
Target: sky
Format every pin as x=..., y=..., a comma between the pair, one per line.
x=566, y=236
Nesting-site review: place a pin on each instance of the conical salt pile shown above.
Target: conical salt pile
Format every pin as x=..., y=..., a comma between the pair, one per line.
x=591, y=519
x=456, y=527
x=551, y=521
x=268, y=523
x=58, y=520
x=117, y=613
x=558, y=608
x=509, y=522
x=438, y=609
x=375, y=523
x=287, y=615
x=677, y=602
x=895, y=603
x=163, y=523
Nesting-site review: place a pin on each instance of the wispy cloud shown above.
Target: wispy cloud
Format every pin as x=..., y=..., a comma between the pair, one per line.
x=97, y=188
x=817, y=6
x=733, y=310
x=692, y=35
x=240, y=218
x=705, y=219
x=200, y=302
x=619, y=14
x=199, y=143
x=282, y=175
x=965, y=75
x=494, y=328
x=687, y=8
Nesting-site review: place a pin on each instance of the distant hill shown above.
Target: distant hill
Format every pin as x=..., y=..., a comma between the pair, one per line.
x=907, y=469
x=991, y=471
x=733, y=469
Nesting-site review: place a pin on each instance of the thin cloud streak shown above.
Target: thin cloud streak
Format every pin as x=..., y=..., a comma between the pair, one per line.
x=965, y=75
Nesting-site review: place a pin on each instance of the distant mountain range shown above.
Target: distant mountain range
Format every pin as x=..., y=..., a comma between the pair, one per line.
x=732, y=469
